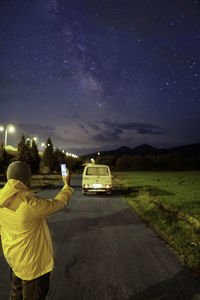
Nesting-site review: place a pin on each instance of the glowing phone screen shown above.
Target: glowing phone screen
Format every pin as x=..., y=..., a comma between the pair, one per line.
x=63, y=170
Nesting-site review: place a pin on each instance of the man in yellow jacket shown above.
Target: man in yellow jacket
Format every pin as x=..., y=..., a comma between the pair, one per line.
x=25, y=236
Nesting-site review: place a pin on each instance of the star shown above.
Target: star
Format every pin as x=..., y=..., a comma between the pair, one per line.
x=99, y=105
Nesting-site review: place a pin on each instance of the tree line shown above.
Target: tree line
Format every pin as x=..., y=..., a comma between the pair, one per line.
x=47, y=162
x=165, y=162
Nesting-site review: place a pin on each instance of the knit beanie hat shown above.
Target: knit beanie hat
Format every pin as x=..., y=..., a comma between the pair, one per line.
x=19, y=170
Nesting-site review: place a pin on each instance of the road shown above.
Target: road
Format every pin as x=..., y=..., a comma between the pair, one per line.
x=105, y=252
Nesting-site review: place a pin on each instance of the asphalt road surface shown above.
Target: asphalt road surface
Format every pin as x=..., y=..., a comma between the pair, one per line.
x=105, y=252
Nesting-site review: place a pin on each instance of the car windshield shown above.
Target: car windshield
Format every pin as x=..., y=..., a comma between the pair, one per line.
x=102, y=171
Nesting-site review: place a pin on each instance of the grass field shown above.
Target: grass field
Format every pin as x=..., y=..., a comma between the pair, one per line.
x=170, y=203
x=39, y=182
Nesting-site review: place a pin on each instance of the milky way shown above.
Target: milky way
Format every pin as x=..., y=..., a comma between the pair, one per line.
x=97, y=75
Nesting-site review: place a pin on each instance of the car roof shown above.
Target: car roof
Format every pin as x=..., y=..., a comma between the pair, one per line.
x=97, y=166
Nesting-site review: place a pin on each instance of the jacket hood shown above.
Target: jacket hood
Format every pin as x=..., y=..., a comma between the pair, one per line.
x=11, y=188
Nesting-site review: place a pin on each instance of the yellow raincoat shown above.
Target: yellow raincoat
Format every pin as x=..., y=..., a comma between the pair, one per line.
x=25, y=235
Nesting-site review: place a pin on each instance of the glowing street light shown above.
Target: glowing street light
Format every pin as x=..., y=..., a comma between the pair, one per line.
x=71, y=154
x=32, y=139
x=1, y=128
x=9, y=129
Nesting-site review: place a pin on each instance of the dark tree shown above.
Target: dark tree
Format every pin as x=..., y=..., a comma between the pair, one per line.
x=123, y=163
x=60, y=158
x=109, y=160
x=48, y=156
x=4, y=159
x=24, y=151
x=74, y=163
x=35, y=163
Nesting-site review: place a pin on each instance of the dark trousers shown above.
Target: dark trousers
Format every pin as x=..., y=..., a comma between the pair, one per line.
x=35, y=289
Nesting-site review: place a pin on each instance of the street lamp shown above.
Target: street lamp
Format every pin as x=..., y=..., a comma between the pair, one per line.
x=1, y=128
x=31, y=140
x=9, y=129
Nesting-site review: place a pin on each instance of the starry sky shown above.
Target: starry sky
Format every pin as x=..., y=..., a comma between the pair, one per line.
x=100, y=74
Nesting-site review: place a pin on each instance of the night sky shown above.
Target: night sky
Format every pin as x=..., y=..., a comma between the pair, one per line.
x=97, y=75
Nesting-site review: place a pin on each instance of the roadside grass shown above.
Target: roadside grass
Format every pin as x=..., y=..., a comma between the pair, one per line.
x=170, y=203
x=39, y=182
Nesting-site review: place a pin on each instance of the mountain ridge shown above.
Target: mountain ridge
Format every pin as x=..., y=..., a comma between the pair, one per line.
x=146, y=149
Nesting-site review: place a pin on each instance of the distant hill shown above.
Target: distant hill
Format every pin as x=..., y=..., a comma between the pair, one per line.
x=192, y=149
x=145, y=149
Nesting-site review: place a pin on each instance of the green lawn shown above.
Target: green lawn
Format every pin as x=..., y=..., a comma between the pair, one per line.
x=177, y=189
x=39, y=182
x=170, y=203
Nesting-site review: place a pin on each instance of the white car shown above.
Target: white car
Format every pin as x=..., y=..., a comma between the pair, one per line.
x=96, y=178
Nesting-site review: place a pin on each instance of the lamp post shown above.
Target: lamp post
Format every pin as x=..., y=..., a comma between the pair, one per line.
x=9, y=129
x=1, y=129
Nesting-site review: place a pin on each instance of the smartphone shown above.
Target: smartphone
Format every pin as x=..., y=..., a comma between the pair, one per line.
x=63, y=169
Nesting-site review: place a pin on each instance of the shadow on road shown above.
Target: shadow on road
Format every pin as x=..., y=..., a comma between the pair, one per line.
x=183, y=286
x=81, y=224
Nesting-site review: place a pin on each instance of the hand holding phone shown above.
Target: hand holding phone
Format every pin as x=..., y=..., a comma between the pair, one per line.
x=63, y=169
x=65, y=174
